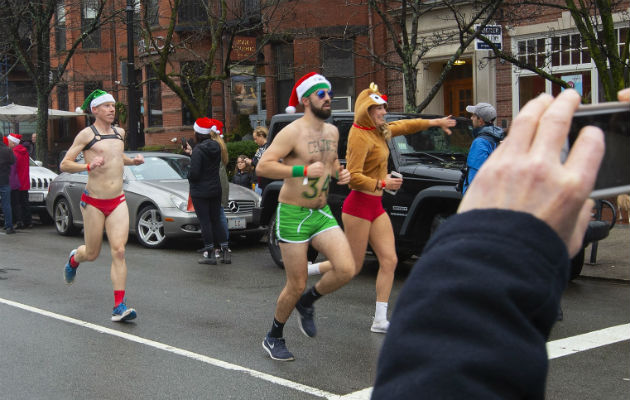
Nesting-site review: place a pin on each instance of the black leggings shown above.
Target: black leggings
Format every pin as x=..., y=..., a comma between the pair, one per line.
x=209, y=213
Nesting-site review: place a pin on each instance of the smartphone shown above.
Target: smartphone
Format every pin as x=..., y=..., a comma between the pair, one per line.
x=184, y=143
x=613, y=119
x=394, y=174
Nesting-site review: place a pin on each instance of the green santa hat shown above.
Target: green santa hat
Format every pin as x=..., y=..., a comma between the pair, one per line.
x=95, y=99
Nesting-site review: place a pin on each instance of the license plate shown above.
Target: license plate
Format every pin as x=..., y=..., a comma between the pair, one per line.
x=237, y=223
x=36, y=197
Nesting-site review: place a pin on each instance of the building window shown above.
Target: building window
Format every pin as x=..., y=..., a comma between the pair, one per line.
x=89, y=11
x=284, y=74
x=188, y=70
x=338, y=67
x=153, y=12
x=155, y=98
x=192, y=12
x=60, y=27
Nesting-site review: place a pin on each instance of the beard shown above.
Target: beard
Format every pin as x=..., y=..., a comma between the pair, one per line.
x=320, y=112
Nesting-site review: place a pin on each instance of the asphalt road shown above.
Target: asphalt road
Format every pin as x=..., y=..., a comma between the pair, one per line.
x=199, y=329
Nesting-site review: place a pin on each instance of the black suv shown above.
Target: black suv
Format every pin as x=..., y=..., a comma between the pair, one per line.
x=430, y=162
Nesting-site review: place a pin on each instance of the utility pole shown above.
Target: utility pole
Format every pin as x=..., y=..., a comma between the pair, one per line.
x=132, y=118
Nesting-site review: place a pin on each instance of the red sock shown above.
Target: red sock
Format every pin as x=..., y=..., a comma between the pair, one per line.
x=119, y=296
x=73, y=262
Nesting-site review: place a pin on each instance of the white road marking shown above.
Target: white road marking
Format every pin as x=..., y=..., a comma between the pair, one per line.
x=555, y=349
x=575, y=344
x=199, y=357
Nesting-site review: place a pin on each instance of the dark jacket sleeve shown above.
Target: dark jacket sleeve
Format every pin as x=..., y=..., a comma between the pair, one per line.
x=474, y=315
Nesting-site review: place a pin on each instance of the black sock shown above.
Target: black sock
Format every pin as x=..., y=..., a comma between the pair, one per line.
x=309, y=297
x=276, y=329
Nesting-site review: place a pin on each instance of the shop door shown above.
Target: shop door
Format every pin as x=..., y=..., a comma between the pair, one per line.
x=457, y=95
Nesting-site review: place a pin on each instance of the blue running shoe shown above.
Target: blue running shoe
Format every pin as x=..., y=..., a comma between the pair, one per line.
x=121, y=313
x=68, y=272
x=306, y=321
x=277, y=349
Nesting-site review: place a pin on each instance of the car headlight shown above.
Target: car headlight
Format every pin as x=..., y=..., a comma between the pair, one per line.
x=180, y=203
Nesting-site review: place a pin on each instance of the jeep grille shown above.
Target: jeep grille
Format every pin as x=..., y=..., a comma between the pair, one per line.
x=40, y=183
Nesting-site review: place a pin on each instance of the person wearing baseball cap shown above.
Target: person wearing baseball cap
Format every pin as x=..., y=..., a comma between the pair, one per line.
x=486, y=138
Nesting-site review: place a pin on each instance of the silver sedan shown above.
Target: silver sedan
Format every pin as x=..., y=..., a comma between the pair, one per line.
x=157, y=196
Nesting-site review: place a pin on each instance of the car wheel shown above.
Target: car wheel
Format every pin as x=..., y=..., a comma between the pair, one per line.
x=62, y=216
x=150, y=227
x=274, y=247
x=577, y=263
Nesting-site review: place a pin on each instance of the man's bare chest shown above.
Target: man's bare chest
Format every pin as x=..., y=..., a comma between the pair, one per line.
x=317, y=148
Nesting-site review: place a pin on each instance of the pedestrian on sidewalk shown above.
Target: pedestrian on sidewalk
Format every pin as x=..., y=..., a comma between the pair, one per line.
x=7, y=161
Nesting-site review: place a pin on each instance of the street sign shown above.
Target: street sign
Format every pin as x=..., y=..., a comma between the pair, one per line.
x=492, y=32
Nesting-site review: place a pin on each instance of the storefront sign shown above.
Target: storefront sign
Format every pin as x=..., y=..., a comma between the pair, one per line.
x=243, y=47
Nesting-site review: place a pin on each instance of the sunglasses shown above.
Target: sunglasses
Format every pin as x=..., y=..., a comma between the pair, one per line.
x=321, y=93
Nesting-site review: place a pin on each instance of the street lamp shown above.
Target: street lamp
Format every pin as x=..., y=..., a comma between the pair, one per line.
x=132, y=118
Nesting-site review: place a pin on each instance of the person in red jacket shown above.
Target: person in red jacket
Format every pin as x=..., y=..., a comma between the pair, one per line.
x=19, y=188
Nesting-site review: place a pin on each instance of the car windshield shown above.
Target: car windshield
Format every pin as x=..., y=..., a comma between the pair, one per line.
x=161, y=168
x=434, y=142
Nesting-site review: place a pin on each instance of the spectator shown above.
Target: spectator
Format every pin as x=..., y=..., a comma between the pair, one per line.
x=486, y=138
x=7, y=161
x=243, y=175
x=21, y=184
x=260, y=137
x=30, y=145
x=455, y=334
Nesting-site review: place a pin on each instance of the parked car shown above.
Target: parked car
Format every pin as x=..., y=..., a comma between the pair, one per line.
x=157, y=196
x=41, y=178
x=430, y=162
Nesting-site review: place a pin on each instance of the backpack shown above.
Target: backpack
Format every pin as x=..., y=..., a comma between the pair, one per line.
x=463, y=178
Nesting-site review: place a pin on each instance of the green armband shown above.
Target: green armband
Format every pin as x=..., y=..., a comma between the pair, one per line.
x=298, y=170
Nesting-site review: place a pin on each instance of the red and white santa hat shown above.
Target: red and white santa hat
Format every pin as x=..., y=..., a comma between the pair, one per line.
x=15, y=138
x=205, y=126
x=304, y=87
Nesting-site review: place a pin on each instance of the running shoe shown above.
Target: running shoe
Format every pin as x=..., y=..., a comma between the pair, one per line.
x=121, y=313
x=306, y=320
x=277, y=349
x=227, y=255
x=68, y=272
x=380, y=326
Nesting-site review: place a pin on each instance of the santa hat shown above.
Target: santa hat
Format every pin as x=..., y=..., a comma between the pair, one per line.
x=304, y=87
x=15, y=138
x=95, y=99
x=205, y=125
x=5, y=140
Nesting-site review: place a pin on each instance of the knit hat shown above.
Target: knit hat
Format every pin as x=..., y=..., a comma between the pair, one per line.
x=95, y=99
x=205, y=125
x=15, y=138
x=484, y=111
x=306, y=85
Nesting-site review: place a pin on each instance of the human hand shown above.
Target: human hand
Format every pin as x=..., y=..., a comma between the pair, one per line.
x=392, y=183
x=343, y=177
x=624, y=95
x=445, y=123
x=525, y=173
x=96, y=162
x=138, y=159
x=315, y=170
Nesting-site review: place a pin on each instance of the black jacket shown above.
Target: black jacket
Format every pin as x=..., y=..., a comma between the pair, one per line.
x=473, y=317
x=204, y=170
x=243, y=179
x=7, y=158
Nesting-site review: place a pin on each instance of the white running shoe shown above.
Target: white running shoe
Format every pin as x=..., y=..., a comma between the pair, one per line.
x=380, y=326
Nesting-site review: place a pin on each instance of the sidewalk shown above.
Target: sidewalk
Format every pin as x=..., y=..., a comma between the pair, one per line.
x=613, y=256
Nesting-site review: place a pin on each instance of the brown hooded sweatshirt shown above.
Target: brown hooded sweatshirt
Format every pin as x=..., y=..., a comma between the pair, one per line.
x=367, y=152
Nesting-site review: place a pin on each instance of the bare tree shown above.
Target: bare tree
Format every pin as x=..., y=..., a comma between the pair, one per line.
x=402, y=18
x=26, y=27
x=203, y=50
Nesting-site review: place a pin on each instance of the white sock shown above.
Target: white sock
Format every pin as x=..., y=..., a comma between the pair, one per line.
x=381, y=311
x=313, y=269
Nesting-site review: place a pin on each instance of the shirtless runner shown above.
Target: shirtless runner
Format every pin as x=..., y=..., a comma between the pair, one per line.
x=308, y=150
x=103, y=202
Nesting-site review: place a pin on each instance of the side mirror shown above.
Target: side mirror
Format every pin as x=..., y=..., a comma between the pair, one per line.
x=39, y=163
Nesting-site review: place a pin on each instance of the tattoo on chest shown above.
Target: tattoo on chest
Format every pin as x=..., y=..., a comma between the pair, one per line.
x=313, y=191
x=322, y=146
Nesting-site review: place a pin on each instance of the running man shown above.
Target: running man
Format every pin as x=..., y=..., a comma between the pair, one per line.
x=308, y=150
x=103, y=201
